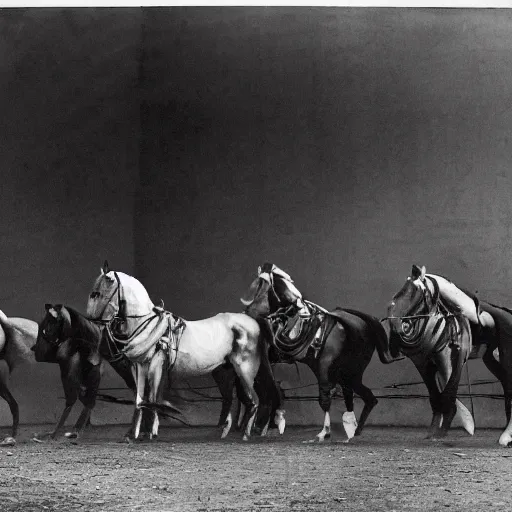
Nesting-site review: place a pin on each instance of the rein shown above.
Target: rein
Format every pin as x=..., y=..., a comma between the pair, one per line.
x=435, y=303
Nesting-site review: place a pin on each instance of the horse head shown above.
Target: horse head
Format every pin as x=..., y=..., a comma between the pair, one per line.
x=53, y=330
x=412, y=305
x=271, y=290
x=115, y=294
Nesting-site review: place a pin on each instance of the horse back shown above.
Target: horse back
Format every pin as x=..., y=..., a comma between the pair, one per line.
x=16, y=339
x=456, y=300
x=353, y=336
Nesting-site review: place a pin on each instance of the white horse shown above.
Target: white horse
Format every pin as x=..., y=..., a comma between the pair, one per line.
x=203, y=345
x=17, y=336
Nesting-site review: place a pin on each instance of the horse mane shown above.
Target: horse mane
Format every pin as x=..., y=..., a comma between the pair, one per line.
x=89, y=329
x=133, y=285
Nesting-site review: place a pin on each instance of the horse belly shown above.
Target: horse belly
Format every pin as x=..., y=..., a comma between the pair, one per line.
x=200, y=353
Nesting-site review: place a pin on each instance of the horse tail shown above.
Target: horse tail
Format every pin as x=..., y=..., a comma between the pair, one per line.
x=20, y=335
x=382, y=343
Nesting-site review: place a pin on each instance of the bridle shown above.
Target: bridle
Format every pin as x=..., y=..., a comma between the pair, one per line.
x=424, y=303
x=433, y=320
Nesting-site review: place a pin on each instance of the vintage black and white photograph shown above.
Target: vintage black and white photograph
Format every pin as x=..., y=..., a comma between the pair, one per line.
x=255, y=258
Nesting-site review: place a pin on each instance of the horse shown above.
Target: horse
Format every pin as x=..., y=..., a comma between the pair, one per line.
x=81, y=368
x=184, y=348
x=17, y=335
x=338, y=345
x=437, y=338
x=80, y=346
x=491, y=325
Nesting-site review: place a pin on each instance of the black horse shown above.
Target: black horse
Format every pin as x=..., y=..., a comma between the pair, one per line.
x=337, y=345
x=80, y=365
x=437, y=339
x=80, y=346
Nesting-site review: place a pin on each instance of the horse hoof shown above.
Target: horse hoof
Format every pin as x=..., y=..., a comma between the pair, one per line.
x=245, y=438
x=321, y=439
x=71, y=435
x=505, y=439
x=280, y=420
x=349, y=423
x=8, y=441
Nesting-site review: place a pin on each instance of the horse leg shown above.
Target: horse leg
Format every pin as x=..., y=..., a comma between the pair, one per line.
x=349, y=418
x=369, y=402
x=124, y=368
x=506, y=364
x=450, y=362
x=69, y=375
x=139, y=375
x=155, y=373
x=224, y=377
x=238, y=417
x=498, y=371
x=246, y=371
x=13, y=406
x=325, y=386
x=428, y=370
x=88, y=399
x=270, y=395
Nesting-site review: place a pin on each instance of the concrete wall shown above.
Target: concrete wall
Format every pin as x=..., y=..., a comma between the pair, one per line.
x=341, y=144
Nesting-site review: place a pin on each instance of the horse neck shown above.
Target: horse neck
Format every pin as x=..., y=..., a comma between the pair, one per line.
x=138, y=305
x=135, y=296
x=78, y=326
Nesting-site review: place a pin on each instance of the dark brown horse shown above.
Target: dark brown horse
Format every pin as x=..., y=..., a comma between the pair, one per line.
x=79, y=346
x=490, y=324
x=17, y=335
x=340, y=352
x=436, y=338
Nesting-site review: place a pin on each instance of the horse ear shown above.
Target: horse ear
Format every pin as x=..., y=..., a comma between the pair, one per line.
x=105, y=269
x=47, y=307
x=416, y=272
x=57, y=307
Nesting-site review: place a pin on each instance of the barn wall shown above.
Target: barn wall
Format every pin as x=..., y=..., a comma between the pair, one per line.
x=342, y=145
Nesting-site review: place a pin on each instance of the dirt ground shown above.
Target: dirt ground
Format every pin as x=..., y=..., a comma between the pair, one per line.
x=191, y=469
